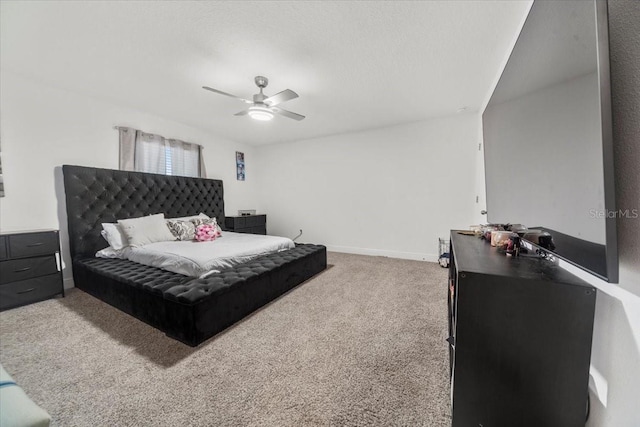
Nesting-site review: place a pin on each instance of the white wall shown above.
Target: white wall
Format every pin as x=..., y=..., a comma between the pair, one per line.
x=481, y=189
x=390, y=191
x=43, y=127
x=615, y=357
x=614, y=382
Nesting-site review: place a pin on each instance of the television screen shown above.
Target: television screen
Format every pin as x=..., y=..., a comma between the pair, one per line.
x=547, y=134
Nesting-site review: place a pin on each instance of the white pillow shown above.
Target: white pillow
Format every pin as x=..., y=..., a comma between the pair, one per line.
x=189, y=218
x=112, y=253
x=145, y=230
x=112, y=233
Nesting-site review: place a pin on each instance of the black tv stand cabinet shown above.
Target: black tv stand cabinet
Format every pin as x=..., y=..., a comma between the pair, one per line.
x=520, y=339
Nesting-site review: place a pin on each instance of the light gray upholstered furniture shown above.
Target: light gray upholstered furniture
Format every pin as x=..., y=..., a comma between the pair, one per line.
x=16, y=408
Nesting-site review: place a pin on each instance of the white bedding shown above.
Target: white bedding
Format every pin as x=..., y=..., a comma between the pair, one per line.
x=201, y=259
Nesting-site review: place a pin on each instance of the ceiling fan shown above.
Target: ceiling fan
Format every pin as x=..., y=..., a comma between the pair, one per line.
x=264, y=107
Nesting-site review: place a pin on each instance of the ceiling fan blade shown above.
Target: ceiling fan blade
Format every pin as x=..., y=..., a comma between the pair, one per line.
x=280, y=97
x=226, y=94
x=242, y=113
x=289, y=114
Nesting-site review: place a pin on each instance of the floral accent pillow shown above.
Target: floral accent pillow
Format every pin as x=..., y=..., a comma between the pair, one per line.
x=207, y=221
x=183, y=230
x=207, y=232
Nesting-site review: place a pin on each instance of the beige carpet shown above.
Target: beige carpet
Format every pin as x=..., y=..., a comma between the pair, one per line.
x=361, y=344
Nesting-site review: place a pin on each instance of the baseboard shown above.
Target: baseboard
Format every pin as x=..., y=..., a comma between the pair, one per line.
x=381, y=252
x=67, y=282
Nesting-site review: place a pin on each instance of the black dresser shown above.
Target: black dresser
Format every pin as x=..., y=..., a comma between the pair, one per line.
x=254, y=224
x=29, y=267
x=520, y=339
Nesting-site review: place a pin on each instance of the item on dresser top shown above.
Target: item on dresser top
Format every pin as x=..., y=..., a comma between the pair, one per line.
x=539, y=237
x=477, y=229
x=487, y=229
x=513, y=246
x=499, y=237
x=515, y=227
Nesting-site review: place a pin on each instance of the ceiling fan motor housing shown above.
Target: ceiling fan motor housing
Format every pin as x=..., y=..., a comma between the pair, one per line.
x=261, y=81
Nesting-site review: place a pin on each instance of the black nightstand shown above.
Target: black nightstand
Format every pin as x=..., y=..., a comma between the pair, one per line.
x=254, y=224
x=29, y=267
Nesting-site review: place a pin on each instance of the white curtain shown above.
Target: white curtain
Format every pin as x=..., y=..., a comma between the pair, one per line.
x=127, y=148
x=146, y=152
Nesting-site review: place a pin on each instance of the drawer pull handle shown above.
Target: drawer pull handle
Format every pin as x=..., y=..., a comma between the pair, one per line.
x=20, y=270
x=35, y=244
x=26, y=291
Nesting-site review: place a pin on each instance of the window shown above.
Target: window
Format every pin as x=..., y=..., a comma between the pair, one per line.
x=167, y=161
x=146, y=152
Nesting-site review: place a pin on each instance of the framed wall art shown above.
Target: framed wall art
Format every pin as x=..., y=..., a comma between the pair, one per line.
x=240, y=172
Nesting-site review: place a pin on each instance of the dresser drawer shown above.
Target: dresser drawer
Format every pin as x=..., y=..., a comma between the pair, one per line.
x=33, y=244
x=26, y=268
x=235, y=222
x=244, y=224
x=28, y=291
x=258, y=230
x=255, y=220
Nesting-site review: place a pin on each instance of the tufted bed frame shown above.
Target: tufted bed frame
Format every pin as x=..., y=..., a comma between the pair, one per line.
x=188, y=309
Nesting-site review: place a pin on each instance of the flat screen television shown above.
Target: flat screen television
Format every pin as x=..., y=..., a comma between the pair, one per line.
x=548, y=136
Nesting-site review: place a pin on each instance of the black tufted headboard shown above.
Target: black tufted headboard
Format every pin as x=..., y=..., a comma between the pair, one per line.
x=96, y=195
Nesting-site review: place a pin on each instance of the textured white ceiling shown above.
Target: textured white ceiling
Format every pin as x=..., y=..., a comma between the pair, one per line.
x=355, y=65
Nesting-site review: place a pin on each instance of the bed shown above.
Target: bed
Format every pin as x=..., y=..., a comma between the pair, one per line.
x=187, y=308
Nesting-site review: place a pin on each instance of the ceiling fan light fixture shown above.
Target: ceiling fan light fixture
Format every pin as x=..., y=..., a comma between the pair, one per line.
x=263, y=114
